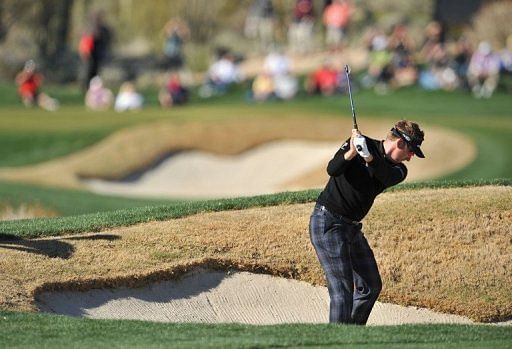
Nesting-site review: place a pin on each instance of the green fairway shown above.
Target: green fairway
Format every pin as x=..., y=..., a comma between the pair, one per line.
x=70, y=202
x=19, y=330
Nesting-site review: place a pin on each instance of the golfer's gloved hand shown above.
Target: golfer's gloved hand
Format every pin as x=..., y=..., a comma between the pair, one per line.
x=361, y=147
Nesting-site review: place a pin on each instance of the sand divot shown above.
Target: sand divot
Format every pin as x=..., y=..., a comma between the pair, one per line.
x=219, y=297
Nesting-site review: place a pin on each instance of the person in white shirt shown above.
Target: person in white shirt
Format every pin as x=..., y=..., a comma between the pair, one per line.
x=128, y=98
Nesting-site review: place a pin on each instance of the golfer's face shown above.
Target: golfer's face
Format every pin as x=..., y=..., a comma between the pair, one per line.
x=402, y=153
x=406, y=153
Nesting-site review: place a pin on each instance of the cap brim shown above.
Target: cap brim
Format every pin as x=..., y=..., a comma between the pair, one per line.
x=417, y=151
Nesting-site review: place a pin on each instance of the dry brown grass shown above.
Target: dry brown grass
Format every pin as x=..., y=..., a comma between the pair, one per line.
x=136, y=148
x=24, y=211
x=445, y=249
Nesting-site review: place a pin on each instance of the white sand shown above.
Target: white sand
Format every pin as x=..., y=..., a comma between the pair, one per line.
x=218, y=297
x=195, y=174
x=271, y=168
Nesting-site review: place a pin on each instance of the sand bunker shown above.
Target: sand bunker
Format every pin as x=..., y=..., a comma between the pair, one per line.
x=220, y=297
x=270, y=168
x=196, y=174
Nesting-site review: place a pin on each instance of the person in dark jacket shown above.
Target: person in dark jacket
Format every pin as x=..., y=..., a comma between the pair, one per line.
x=359, y=171
x=94, y=47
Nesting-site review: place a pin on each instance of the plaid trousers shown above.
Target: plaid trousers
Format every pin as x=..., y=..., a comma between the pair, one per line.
x=350, y=268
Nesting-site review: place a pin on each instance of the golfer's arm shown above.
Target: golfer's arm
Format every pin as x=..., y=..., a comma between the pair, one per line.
x=338, y=163
x=387, y=174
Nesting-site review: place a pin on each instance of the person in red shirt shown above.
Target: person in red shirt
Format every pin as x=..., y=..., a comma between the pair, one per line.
x=174, y=92
x=324, y=80
x=29, y=81
x=336, y=18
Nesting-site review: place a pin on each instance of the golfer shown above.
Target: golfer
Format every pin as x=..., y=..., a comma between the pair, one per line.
x=361, y=169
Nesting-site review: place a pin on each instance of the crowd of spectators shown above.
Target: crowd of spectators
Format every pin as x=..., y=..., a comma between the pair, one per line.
x=394, y=60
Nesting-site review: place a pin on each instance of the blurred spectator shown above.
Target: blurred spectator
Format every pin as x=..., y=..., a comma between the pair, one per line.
x=176, y=33
x=221, y=75
x=29, y=82
x=336, y=18
x=286, y=86
x=402, y=48
x=506, y=56
x=300, y=31
x=98, y=97
x=379, y=72
x=277, y=63
x=463, y=51
x=483, y=71
x=437, y=71
x=174, y=93
x=128, y=98
x=93, y=47
x=432, y=48
x=259, y=23
x=506, y=65
x=324, y=80
x=263, y=87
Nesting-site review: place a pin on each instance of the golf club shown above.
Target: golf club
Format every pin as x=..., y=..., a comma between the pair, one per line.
x=354, y=122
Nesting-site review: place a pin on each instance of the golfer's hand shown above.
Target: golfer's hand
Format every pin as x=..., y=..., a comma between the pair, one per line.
x=361, y=146
x=352, y=152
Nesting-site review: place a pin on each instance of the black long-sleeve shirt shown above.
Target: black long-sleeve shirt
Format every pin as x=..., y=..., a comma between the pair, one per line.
x=354, y=184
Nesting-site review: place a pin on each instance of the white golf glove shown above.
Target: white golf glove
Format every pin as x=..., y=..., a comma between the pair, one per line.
x=361, y=147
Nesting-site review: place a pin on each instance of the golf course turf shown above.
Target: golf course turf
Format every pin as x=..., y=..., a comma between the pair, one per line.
x=459, y=229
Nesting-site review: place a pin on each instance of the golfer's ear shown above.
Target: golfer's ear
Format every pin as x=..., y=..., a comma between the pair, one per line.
x=400, y=143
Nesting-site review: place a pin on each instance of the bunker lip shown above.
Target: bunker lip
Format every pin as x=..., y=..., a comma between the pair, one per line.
x=214, y=296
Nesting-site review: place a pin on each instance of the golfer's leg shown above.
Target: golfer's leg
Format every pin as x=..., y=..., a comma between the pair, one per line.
x=338, y=272
x=333, y=252
x=367, y=279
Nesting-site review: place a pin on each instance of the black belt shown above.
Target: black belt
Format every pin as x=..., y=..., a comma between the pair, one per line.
x=344, y=219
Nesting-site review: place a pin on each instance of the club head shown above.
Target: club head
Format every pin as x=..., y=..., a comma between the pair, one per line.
x=347, y=69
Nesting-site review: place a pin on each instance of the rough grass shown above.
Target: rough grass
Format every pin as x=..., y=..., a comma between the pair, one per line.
x=444, y=249
x=24, y=211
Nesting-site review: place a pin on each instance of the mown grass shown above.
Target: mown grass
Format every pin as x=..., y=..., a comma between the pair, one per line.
x=70, y=202
x=19, y=330
x=62, y=201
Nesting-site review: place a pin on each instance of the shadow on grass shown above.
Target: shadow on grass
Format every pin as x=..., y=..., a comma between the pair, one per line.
x=54, y=248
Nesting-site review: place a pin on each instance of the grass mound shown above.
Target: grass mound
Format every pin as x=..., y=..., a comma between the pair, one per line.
x=444, y=249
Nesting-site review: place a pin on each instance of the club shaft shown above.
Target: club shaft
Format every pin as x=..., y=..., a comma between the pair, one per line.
x=354, y=122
